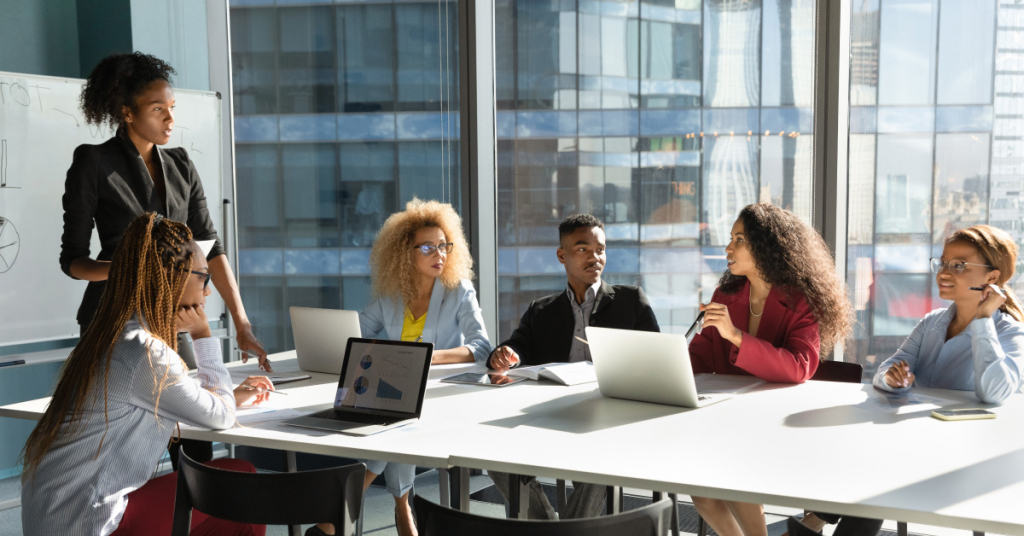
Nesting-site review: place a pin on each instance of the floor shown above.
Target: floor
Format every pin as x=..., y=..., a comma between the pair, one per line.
x=379, y=508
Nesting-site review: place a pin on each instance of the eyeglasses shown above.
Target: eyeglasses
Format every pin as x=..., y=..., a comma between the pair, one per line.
x=206, y=278
x=955, y=267
x=443, y=248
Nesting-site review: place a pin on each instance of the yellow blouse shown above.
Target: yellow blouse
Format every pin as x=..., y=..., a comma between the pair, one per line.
x=412, y=328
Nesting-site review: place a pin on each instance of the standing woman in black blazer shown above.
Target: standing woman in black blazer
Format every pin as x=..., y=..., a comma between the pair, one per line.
x=111, y=184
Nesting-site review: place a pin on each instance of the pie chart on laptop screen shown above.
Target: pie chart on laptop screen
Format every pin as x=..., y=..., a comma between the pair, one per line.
x=362, y=384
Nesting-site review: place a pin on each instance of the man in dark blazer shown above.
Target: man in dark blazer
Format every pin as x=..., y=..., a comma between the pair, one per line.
x=552, y=330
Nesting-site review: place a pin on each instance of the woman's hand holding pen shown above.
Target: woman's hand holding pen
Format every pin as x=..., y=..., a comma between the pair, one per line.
x=253, y=391
x=716, y=315
x=899, y=375
x=992, y=298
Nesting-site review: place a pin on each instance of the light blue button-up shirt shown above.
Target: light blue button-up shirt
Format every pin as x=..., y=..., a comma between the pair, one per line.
x=987, y=357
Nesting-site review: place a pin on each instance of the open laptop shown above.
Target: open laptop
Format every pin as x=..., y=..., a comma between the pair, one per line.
x=646, y=366
x=320, y=336
x=381, y=387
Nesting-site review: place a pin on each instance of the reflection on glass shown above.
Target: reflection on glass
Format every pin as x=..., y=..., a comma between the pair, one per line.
x=961, y=182
x=906, y=61
x=646, y=114
x=917, y=170
x=338, y=123
x=732, y=38
x=965, y=65
x=903, y=189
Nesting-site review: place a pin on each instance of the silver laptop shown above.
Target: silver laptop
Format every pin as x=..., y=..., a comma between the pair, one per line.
x=381, y=387
x=321, y=336
x=646, y=366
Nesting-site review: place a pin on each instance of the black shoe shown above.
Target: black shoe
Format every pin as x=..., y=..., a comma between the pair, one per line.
x=315, y=531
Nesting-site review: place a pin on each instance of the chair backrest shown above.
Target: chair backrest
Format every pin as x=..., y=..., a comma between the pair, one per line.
x=325, y=495
x=435, y=520
x=839, y=371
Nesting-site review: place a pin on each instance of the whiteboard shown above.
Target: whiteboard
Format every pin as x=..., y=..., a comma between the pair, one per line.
x=40, y=127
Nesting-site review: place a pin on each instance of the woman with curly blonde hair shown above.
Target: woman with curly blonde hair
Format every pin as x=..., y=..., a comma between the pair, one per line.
x=421, y=270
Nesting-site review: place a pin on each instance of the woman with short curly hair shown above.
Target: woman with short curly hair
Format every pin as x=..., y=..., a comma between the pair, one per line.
x=421, y=270
x=779, y=308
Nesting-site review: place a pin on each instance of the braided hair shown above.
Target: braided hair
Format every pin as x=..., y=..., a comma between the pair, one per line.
x=116, y=82
x=147, y=277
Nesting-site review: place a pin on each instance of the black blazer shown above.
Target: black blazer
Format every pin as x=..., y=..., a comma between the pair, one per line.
x=109, y=186
x=545, y=332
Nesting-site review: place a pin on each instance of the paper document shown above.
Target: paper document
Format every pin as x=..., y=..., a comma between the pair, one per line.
x=563, y=373
x=725, y=383
x=251, y=416
x=882, y=402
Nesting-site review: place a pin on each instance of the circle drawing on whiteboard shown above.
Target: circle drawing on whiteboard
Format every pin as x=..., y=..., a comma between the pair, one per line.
x=10, y=243
x=366, y=361
x=361, y=385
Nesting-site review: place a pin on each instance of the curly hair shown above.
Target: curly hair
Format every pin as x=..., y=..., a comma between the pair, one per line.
x=391, y=259
x=791, y=255
x=116, y=82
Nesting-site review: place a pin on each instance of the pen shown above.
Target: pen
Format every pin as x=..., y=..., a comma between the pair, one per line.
x=983, y=288
x=418, y=339
x=251, y=388
x=584, y=341
x=12, y=363
x=700, y=316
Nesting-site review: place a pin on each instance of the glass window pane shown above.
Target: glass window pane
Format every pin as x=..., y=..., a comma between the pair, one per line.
x=965, y=65
x=327, y=147
x=940, y=152
x=648, y=115
x=906, y=61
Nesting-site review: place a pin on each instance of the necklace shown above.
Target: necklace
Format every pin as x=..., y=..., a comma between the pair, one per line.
x=750, y=305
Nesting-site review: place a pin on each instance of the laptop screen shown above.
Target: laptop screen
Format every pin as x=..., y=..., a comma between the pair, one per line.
x=383, y=375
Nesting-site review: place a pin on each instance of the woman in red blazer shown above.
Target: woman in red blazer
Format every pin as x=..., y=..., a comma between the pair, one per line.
x=778, y=308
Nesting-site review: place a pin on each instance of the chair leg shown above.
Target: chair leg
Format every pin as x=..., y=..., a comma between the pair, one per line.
x=614, y=500
x=901, y=528
x=442, y=487
x=702, y=527
x=518, y=497
x=560, y=495
x=292, y=465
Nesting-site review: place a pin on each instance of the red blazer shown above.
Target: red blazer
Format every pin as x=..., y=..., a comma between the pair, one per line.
x=785, y=350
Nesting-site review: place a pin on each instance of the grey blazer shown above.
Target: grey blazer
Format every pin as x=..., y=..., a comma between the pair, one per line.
x=453, y=320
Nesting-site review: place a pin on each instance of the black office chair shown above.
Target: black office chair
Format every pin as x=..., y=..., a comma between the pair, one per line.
x=839, y=371
x=332, y=495
x=436, y=520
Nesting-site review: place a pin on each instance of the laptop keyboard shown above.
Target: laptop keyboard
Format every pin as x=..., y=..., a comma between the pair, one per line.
x=361, y=418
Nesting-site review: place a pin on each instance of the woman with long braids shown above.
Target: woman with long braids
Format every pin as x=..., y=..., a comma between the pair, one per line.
x=121, y=392
x=779, y=308
x=111, y=184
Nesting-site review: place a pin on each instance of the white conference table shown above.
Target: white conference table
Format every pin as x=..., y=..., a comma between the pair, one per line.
x=806, y=446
